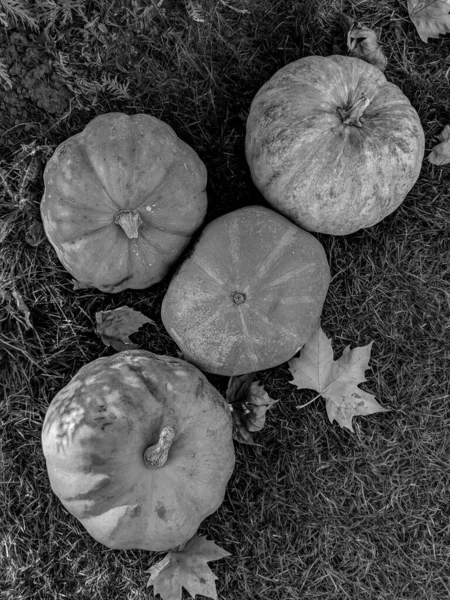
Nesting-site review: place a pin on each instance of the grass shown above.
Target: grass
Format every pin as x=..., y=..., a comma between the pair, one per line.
x=315, y=512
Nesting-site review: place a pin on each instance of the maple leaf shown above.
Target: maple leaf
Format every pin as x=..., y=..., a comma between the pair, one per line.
x=440, y=154
x=335, y=380
x=249, y=402
x=187, y=569
x=431, y=18
x=362, y=43
x=114, y=326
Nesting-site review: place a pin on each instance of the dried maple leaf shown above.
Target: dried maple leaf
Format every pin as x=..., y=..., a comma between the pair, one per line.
x=249, y=402
x=431, y=18
x=362, y=42
x=114, y=326
x=187, y=569
x=335, y=380
x=440, y=155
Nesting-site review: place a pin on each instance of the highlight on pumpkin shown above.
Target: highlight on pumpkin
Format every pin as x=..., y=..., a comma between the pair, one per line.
x=139, y=448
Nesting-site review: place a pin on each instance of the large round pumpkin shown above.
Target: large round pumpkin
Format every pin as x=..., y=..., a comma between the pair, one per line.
x=250, y=294
x=122, y=200
x=332, y=144
x=139, y=448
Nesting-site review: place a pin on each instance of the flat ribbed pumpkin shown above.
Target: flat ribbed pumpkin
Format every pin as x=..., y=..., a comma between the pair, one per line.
x=332, y=144
x=139, y=448
x=250, y=294
x=122, y=200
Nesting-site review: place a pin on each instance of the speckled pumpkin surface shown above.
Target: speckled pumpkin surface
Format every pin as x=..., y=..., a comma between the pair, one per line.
x=332, y=144
x=139, y=448
x=122, y=200
x=250, y=294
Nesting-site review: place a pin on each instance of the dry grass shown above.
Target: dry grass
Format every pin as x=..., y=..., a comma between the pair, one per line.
x=316, y=512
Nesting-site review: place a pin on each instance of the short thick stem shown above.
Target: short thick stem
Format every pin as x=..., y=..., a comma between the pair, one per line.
x=238, y=297
x=352, y=115
x=129, y=220
x=156, y=456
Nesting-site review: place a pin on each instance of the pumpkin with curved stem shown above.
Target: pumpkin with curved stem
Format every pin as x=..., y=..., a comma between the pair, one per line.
x=250, y=294
x=139, y=448
x=122, y=200
x=332, y=144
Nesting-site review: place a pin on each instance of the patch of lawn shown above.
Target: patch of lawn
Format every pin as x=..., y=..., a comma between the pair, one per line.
x=314, y=512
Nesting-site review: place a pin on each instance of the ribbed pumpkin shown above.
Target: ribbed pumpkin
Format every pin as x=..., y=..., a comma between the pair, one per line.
x=122, y=200
x=250, y=294
x=332, y=144
x=139, y=448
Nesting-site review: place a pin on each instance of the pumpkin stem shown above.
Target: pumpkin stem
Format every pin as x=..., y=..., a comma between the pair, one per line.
x=129, y=220
x=352, y=115
x=155, y=456
x=238, y=297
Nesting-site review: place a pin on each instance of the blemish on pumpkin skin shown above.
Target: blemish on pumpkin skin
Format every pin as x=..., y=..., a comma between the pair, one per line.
x=161, y=511
x=135, y=512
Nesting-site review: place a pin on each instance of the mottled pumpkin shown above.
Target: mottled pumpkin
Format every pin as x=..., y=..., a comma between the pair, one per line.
x=332, y=144
x=139, y=448
x=250, y=294
x=122, y=200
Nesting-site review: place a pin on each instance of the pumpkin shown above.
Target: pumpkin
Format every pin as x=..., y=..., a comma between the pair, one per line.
x=250, y=294
x=139, y=448
x=122, y=200
x=332, y=144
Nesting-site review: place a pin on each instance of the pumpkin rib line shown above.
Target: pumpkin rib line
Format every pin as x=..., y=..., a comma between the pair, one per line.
x=87, y=234
x=94, y=170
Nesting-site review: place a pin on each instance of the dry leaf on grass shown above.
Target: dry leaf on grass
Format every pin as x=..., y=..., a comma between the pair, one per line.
x=114, y=326
x=249, y=402
x=23, y=308
x=77, y=285
x=440, y=155
x=335, y=380
x=362, y=42
x=187, y=569
x=431, y=18
x=35, y=233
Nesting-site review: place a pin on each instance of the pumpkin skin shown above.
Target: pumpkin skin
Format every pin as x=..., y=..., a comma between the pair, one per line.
x=95, y=434
x=122, y=200
x=332, y=144
x=250, y=294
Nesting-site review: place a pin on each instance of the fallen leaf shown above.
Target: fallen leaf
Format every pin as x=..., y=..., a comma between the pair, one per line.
x=114, y=326
x=336, y=381
x=196, y=11
x=431, y=18
x=362, y=43
x=440, y=154
x=187, y=569
x=23, y=308
x=249, y=402
x=77, y=285
x=6, y=226
x=35, y=233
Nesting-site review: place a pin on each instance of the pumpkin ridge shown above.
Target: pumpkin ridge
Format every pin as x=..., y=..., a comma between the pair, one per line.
x=203, y=265
x=148, y=383
x=90, y=163
x=285, y=240
x=272, y=325
x=304, y=270
x=71, y=240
